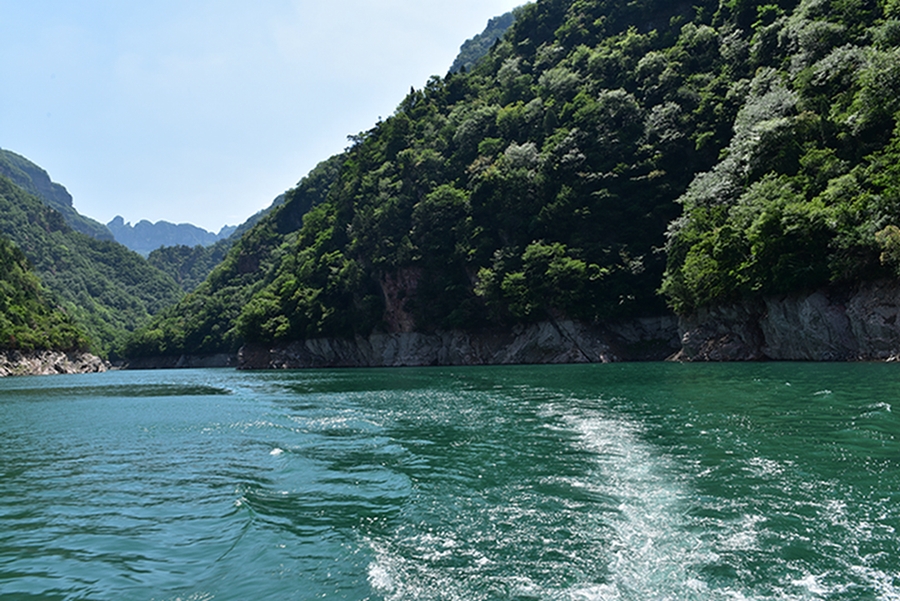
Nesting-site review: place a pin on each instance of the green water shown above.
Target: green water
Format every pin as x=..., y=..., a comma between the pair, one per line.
x=640, y=482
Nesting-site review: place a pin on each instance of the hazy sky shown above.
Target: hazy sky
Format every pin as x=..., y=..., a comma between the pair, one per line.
x=203, y=111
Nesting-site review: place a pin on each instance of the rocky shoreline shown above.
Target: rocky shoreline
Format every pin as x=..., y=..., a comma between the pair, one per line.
x=860, y=323
x=183, y=362
x=45, y=363
x=540, y=343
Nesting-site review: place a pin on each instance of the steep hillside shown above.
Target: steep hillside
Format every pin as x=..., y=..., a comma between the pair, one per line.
x=28, y=320
x=190, y=265
x=105, y=288
x=519, y=190
x=35, y=181
x=541, y=184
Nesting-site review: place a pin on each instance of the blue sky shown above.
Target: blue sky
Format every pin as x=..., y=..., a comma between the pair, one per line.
x=203, y=111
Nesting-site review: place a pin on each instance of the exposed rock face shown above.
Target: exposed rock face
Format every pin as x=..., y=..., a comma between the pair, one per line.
x=396, y=289
x=814, y=327
x=545, y=342
x=729, y=333
x=828, y=325
x=875, y=320
x=44, y=363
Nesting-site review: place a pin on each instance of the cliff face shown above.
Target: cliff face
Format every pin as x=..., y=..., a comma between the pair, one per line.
x=858, y=324
x=544, y=342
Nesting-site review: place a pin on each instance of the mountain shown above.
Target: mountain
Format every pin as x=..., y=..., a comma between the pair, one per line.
x=601, y=152
x=475, y=48
x=106, y=289
x=807, y=192
x=189, y=265
x=145, y=237
x=34, y=180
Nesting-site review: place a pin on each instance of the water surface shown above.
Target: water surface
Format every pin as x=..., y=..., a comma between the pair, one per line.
x=597, y=482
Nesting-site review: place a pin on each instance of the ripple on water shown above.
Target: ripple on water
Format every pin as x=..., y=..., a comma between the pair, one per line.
x=626, y=483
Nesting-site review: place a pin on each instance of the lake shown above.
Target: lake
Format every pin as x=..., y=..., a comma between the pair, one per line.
x=641, y=482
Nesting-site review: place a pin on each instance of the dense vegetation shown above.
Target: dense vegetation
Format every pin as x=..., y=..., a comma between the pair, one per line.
x=541, y=183
x=106, y=289
x=35, y=181
x=28, y=320
x=807, y=192
x=189, y=265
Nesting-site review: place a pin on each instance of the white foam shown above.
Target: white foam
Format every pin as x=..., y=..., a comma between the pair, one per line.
x=634, y=515
x=813, y=584
x=653, y=550
x=380, y=578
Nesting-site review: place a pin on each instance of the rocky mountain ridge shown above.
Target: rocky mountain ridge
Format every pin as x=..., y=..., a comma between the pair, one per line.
x=144, y=237
x=36, y=181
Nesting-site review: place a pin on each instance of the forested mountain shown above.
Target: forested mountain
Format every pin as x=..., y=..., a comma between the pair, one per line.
x=601, y=150
x=35, y=181
x=189, y=265
x=28, y=320
x=145, y=237
x=106, y=289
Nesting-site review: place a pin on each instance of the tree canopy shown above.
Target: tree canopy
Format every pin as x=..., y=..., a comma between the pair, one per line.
x=28, y=320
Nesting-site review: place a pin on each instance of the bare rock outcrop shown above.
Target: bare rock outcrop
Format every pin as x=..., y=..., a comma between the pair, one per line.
x=831, y=324
x=44, y=363
x=725, y=333
x=875, y=320
x=812, y=327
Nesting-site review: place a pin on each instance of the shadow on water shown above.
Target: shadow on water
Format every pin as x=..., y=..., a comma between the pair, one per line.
x=308, y=514
x=114, y=391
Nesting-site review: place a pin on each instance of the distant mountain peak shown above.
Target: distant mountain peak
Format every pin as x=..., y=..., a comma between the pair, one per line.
x=145, y=237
